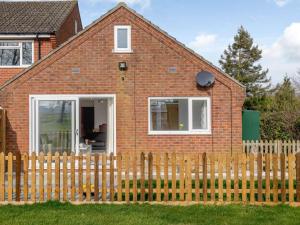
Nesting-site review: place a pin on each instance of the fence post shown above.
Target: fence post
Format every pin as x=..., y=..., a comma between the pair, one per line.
x=33, y=177
x=204, y=169
x=119, y=177
x=166, y=177
x=18, y=176
x=41, y=177
x=259, y=177
x=283, y=186
x=57, y=176
x=112, y=178
x=150, y=177
x=25, y=178
x=298, y=176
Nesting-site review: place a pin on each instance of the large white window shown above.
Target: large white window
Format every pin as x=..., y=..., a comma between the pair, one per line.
x=122, y=39
x=16, y=53
x=179, y=115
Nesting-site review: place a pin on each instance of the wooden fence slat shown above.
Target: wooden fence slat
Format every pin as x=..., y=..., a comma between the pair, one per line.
x=10, y=177
x=267, y=172
x=275, y=178
x=127, y=181
x=150, y=177
x=80, y=177
x=197, y=178
x=212, y=177
x=73, y=182
x=49, y=176
x=291, y=177
x=259, y=177
x=33, y=177
x=142, y=174
x=2, y=177
x=104, y=186
x=181, y=182
x=252, y=184
x=57, y=176
x=41, y=176
x=166, y=177
x=189, y=178
x=158, y=180
x=88, y=177
x=204, y=171
x=119, y=176
x=283, y=185
x=174, y=188
x=112, y=178
x=96, y=177
x=220, y=178
x=228, y=177
x=18, y=176
x=244, y=178
x=298, y=177
x=236, y=177
x=25, y=177
x=65, y=176
x=134, y=178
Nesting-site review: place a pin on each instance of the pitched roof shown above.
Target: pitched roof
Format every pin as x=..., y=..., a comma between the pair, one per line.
x=122, y=4
x=31, y=17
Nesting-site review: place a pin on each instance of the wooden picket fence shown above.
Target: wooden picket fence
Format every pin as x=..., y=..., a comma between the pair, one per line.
x=170, y=178
x=272, y=146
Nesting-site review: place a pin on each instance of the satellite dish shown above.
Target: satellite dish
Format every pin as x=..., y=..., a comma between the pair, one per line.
x=205, y=79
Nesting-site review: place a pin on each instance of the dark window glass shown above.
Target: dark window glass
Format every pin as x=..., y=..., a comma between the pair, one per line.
x=27, y=53
x=9, y=57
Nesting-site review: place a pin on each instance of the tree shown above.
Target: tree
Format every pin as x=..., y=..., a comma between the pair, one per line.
x=240, y=60
x=282, y=119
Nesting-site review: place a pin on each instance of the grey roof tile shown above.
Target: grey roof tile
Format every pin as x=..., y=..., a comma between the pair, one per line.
x=33, y=16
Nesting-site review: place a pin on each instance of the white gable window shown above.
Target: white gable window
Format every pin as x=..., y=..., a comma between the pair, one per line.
x=122, y=39
x=16, y=53
x=179, y=115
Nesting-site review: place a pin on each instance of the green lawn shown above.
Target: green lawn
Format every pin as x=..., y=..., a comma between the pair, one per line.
x=57, y=214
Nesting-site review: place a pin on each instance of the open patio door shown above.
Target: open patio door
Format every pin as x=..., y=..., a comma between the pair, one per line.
x=53, y=124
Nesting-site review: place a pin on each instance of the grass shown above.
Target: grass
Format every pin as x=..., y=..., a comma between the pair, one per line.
x=67, y=214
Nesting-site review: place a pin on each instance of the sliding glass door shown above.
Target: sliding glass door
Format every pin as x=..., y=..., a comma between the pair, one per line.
x=53, y=125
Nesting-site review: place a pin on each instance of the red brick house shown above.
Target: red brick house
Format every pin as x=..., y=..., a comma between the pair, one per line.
x=122, y=84
x=30, y=30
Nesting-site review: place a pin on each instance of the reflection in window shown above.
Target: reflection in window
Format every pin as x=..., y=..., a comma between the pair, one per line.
x=16, y=53
x=55, y=126
x=169, y=114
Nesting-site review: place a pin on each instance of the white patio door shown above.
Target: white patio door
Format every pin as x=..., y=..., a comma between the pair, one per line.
x=54, y=126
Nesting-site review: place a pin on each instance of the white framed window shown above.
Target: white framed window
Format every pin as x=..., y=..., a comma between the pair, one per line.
x=16, y=53
x=122, y=39
x=179, y=115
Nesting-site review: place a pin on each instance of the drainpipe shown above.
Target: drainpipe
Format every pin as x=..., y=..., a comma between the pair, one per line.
x=39, y=47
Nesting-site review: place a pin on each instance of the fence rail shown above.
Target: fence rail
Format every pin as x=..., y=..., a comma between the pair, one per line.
x=168, y=177
x=272, y=146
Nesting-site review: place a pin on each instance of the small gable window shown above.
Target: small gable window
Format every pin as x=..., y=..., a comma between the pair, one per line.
x=16, y=53
x=122, y=39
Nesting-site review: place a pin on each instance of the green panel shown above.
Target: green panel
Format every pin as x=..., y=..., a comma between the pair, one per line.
x=251, y=130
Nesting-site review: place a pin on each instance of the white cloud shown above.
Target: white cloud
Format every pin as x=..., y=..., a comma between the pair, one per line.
x=202, y=42
x=142, y=3
x=283, y=56
x=281, y=3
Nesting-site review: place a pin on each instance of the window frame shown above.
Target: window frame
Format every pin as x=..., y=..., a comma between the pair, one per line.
x=122, y=50
x=190, y=131
x=21, y=52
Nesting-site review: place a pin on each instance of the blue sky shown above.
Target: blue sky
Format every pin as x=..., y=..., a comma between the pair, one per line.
x=209, y=26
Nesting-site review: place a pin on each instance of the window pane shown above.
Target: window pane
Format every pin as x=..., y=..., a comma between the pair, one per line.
x=3, y=43
x=169, y=115
x=9, y=57
x=27, y=53
x=55, y=126
x=199, y=114
x=122, y=38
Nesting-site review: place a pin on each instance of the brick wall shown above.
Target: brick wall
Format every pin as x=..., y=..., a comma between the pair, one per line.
x=147, y=76
x=67, y=29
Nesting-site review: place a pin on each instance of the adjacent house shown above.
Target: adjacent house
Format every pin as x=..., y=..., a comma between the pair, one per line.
x=29, y=30
x=122, y=84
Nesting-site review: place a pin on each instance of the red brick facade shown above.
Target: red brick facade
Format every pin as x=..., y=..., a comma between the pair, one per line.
x=147, y=76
